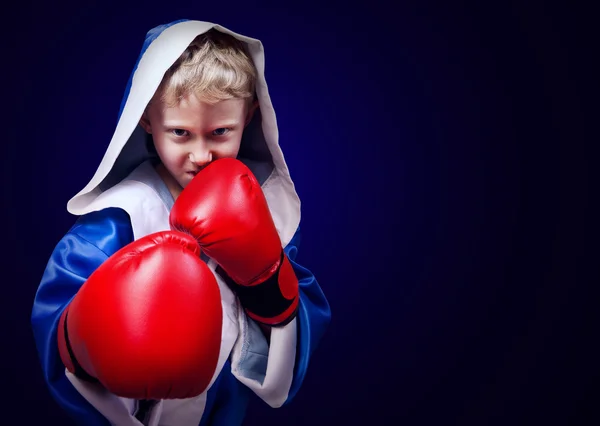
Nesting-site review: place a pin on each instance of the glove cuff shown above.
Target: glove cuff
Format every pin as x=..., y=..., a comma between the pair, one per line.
x=274, y=301
x=73, y=364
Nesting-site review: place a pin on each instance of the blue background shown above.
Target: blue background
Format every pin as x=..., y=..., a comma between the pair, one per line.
x=441, y=152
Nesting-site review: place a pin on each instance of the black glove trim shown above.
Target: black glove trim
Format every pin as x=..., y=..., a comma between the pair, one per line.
x=264, y=300
x=79, y=371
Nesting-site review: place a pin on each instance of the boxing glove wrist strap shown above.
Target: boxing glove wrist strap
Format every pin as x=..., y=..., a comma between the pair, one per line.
x=79, y=371
x=273, y=301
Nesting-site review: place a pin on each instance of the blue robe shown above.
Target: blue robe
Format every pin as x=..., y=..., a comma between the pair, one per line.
x=96, y=236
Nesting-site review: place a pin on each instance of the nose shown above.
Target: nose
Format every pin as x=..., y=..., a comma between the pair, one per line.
x=200, y=154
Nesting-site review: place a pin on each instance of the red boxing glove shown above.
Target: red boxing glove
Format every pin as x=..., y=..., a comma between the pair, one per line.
x=147, y=323
x=224, y=208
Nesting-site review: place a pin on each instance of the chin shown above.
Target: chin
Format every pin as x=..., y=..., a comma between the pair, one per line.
x=185, y=180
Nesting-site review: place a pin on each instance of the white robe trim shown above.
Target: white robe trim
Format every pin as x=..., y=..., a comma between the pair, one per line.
x=266, y=369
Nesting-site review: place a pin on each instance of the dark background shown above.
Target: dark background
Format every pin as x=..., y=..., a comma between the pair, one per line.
x=442, y=152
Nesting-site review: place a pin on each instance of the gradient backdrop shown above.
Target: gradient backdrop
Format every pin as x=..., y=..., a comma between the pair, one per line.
x=441, y=156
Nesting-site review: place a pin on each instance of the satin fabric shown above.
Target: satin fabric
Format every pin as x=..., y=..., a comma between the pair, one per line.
x=94, y=238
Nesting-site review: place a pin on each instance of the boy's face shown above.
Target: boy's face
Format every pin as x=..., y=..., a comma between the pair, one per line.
x=190, y=135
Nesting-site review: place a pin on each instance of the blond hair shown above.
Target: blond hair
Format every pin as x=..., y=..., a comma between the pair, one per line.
x=214, y=67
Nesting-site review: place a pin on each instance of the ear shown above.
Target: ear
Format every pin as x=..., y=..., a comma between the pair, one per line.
x=250, y=112
x=145, y=122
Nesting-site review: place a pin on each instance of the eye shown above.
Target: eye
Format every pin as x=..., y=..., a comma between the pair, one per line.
x=179, y=132
x=221, y=131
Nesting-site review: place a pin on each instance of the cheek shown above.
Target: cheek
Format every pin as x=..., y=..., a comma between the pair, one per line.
x=228, y=150
x=170, y=153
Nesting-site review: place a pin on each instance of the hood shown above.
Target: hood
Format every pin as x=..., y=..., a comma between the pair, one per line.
x=260, y=144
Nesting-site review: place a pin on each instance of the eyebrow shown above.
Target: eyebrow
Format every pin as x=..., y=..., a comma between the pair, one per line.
x=177, y=125
x=227, y=124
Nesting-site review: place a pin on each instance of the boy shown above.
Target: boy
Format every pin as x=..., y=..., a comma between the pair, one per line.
x=176, y=294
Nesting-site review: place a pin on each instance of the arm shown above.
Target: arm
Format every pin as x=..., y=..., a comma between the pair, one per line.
x=84, y=248
x=314, y=316
x=275, y=369
x=225, y=209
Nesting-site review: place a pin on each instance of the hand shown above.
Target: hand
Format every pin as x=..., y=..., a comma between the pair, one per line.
x=224, y=208
x=147, y=323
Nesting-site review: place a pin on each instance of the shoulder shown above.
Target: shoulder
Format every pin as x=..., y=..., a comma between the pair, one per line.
x=295, y=240
x=129, y=194
x=92, y=239
x=107, y=229
x=142, y=203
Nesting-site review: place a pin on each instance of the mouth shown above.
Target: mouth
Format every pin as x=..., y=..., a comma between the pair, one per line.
x=193, y=172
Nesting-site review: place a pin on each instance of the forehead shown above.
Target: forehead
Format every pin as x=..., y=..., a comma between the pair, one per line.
x=193, y=109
